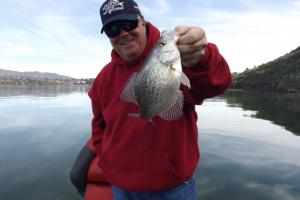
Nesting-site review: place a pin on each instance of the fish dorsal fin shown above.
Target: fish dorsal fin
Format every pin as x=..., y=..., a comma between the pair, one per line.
x=185, y=80
x=128, y=91
x=176, y=111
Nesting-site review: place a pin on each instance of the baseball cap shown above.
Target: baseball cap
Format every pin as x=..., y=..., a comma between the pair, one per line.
x=112, y=10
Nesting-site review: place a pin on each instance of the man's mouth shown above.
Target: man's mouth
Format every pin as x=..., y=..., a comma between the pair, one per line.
x=126, y=42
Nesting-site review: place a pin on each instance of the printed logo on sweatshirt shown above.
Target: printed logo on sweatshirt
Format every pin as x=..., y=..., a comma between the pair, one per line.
x=111, y=6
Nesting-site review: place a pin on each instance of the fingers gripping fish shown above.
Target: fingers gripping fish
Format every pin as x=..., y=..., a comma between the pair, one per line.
x=155, y=88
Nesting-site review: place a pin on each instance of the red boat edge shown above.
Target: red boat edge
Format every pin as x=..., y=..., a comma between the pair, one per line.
x=87, y=177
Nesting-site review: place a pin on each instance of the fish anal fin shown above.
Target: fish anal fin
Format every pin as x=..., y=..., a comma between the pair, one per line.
x=176, y=111
x=127, y=94
x=134, y=115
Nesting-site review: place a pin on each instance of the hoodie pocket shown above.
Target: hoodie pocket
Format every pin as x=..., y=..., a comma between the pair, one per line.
x=148, y=172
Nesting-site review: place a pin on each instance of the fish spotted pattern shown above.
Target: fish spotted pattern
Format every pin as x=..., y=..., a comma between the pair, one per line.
x=155, y=88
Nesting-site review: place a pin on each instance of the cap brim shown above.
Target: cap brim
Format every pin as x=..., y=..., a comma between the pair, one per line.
x=120, y=17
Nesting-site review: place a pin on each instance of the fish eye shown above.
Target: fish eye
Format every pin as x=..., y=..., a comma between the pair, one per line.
x=162, y=43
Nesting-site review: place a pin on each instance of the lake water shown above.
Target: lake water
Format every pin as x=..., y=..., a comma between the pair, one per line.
x=250, y=144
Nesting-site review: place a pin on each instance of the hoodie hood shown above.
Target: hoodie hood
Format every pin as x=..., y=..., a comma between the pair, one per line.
x=152, y=36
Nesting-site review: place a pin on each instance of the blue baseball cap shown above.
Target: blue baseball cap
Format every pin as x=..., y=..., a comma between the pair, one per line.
x=112, y=10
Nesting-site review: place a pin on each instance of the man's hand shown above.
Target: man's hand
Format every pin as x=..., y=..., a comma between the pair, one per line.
x=191, y=44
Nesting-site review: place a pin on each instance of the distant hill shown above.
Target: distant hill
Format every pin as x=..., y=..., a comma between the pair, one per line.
x=35, y=74
x=281, y=74
x=15, y=78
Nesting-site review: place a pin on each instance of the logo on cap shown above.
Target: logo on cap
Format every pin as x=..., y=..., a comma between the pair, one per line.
x=113, y=5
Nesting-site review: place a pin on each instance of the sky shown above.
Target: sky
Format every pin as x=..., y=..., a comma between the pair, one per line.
x=64, y=36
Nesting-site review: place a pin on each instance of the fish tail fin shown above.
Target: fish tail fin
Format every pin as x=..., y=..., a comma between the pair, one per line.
x=176, y=111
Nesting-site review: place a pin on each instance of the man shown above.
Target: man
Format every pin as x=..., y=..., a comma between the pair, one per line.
x=143, y=161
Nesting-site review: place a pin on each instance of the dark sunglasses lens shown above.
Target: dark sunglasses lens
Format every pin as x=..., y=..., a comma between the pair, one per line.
x=129, y=25
x=113, y=30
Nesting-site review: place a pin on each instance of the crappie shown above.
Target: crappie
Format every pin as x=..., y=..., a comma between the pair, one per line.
x=155, y=88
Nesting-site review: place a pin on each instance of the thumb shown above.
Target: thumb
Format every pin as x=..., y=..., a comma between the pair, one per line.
x=181, y=29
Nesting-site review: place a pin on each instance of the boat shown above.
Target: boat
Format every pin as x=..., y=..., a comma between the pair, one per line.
x=87, y=177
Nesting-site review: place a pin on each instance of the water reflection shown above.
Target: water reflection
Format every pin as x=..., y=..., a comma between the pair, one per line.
x=243, y=156
x=41, y=132
x=9, y=91
x=242, y=168
x=281, y=108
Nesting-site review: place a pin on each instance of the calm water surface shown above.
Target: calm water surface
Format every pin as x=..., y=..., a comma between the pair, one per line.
x=249, y=144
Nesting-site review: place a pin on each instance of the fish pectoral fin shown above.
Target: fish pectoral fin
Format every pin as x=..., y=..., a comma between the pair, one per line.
x=128, y=91
x=185, y=80
x=176, y=111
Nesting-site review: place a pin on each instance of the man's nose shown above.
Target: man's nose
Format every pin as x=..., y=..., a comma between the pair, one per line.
x=123, y=32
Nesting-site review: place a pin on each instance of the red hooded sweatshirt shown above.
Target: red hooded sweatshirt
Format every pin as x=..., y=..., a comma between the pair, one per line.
x=135, y=154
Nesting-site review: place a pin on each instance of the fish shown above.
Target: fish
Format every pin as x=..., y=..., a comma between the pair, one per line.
x=155, y=87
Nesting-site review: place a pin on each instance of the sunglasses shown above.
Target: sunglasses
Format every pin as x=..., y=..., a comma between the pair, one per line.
x=113, y=29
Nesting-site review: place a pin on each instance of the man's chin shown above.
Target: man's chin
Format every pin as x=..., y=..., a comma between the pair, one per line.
x=130, y=57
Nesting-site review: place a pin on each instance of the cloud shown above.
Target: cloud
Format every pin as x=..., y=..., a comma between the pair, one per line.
x=161, y=8
x=296, y=3
x=54, y=44
x=64, y=37
x=248, y=33
x=247, y=37
x=46, y=37
x=256, y=37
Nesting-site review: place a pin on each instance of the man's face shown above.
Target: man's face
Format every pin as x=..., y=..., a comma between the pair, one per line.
x=130, y=45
